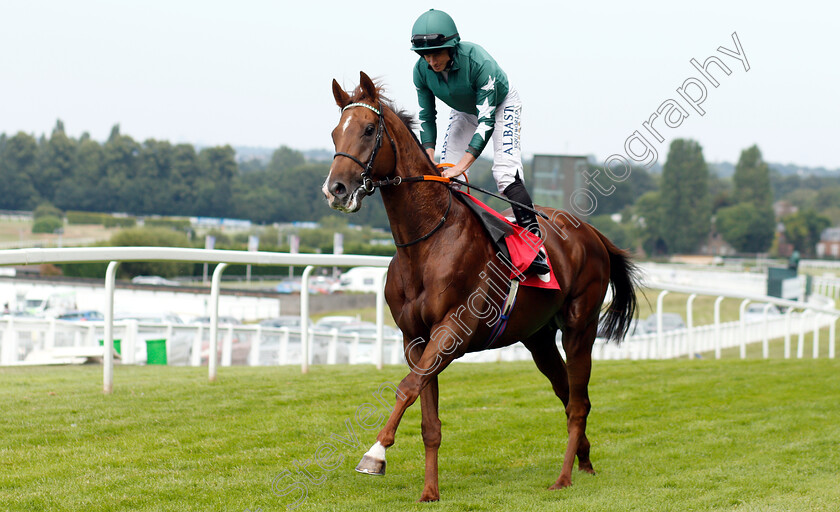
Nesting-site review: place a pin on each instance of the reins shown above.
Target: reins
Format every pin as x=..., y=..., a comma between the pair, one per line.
x=434, y=229
x=369, y=185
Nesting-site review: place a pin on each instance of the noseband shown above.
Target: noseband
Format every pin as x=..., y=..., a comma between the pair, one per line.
x=368, y=184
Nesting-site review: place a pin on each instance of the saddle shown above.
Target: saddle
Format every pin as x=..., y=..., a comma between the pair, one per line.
x=515, y=245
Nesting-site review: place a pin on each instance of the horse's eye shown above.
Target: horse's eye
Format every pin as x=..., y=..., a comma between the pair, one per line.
x=369, y=130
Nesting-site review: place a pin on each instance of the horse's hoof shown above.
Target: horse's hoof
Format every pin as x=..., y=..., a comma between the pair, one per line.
x=560, y=484
x=370, y=466
x=587, y=468
x=424, y=499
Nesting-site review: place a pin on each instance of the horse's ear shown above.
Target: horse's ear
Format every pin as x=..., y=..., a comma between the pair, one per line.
x=368, y=86
x=341, y=97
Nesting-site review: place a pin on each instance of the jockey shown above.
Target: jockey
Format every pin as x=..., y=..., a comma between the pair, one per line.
x=484, y=106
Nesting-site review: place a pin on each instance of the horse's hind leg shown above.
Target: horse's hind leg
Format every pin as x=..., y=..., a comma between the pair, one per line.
x=547, y=358
x=578, y=346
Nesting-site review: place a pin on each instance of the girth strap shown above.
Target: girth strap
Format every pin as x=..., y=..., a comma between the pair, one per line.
x=501, y=322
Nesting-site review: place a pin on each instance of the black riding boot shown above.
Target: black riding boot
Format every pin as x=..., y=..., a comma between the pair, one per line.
x=516, y=191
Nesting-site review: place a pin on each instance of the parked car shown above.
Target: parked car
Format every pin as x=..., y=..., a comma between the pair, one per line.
x=359, y=279
x=318, y=285
x=637, y=327
x=223, y=320
x=290, y=321
x=287, y=286
x=368, y=330
x=755, y=312
x=241, y=342
x=86, y=315
x=322, y=285
x=670, y=322
x=43, y=303
x=151, y=318
x=154, y=280
x=329, y=323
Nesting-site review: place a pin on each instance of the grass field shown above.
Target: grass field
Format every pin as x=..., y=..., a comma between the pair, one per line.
x=671, y=435
x=21, y=231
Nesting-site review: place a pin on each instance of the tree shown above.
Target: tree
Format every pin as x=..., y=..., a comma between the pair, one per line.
x=746, y=227
x=84, y=189
x=626, y=192
x=285, y=158
x=17, y=167
x=153, y=191
x=686, y=207
x=185, y=176
x=58, y=160
x=827, y=197
x=47, y=224
x=648, y=215
x=218, y=168
x=612, y=230
x=749, y=225
x=151, y=237
x=803, y=229
x=120, y=164
x=720, y=192
x=752, y=179
x=47, y=210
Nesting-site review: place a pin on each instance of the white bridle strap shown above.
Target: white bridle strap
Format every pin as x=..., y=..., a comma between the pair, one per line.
x=362, y=105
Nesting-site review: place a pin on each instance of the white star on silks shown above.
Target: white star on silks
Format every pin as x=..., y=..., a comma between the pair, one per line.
x=482, y=130
x=491, y=83
x=485, y=109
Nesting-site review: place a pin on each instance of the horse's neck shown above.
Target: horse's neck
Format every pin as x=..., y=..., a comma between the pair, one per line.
x=415, y=208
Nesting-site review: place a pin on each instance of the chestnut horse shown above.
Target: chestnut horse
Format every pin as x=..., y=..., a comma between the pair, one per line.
x=442, y=293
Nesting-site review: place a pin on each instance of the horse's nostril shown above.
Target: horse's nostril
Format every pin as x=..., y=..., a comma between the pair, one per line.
x=338, y=189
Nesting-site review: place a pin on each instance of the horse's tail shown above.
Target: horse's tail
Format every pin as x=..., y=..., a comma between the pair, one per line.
x=624, y=279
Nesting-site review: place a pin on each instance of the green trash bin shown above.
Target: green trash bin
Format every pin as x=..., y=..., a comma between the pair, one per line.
x=155, y=351
x=117, y=345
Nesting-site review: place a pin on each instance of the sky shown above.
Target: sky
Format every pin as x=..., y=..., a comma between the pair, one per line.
x=259, y=73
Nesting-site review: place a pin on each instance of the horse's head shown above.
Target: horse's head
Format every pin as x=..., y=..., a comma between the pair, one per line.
x=358, y=139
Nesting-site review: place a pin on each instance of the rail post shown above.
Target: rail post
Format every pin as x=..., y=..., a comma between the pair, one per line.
x=108, y=338
x=659, y=327
x=743, y=328
x=689, y=318
x=718, y=341
x=304, y=319
x=214, y=320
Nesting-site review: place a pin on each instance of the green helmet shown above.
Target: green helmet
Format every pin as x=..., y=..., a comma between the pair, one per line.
x=434, y=30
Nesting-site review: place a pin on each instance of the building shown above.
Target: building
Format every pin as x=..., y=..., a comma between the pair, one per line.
x=556, y=177
x=829, y=244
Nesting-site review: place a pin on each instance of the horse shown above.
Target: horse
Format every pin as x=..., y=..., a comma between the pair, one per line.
x=441, y=293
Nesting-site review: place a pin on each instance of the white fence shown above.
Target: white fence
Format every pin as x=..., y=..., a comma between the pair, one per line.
x=827, y=286
x=28, y=341
x=33, y=341
x=115, y=255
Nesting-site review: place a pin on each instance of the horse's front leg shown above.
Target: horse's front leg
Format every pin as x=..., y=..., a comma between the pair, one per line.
x=431, y=439
x=425, y=364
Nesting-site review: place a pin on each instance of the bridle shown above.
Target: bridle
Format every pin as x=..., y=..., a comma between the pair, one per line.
x=369, y=185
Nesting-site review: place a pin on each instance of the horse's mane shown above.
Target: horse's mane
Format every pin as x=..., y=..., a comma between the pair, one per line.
x=404, y=115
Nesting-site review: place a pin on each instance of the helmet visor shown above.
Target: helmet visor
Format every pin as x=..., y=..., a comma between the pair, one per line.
x=430, y=40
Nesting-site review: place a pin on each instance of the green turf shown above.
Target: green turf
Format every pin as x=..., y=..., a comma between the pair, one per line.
x=668, y=435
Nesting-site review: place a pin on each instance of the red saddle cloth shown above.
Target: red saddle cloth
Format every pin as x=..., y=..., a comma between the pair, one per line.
x=521, y=244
